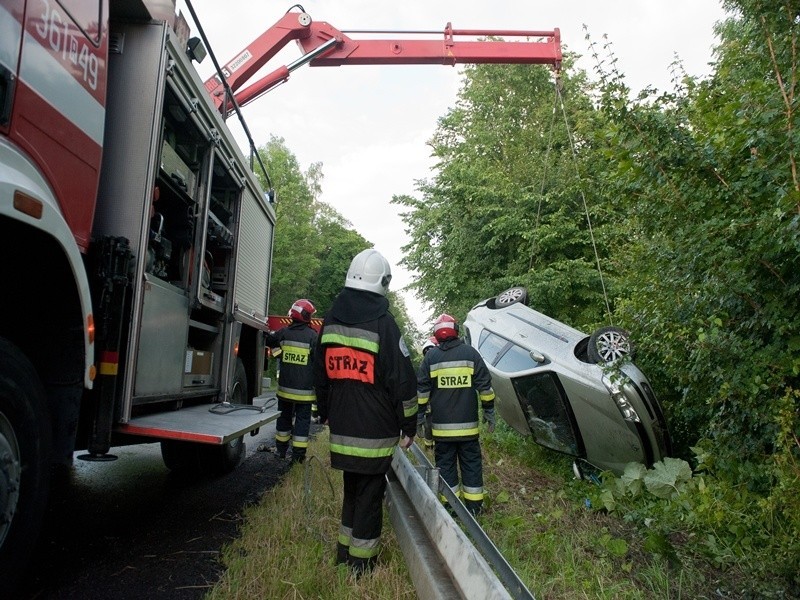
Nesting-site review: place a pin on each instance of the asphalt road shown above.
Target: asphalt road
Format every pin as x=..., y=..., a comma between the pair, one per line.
x=130, y=529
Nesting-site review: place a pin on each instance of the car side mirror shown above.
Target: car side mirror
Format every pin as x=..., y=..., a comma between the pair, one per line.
x=537, y=356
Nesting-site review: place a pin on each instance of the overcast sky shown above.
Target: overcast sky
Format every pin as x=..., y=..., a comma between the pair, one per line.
x=368, y=126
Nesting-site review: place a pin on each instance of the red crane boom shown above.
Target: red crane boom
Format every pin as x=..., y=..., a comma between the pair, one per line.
x=325, y=46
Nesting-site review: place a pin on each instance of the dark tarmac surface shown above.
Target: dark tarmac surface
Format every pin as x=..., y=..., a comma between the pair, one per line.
x=130, y=529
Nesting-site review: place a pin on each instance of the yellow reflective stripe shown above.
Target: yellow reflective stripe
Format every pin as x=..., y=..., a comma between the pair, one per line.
x=410, y=407
x=454, y=432
x=109, y=368
x=351, y=338
x=472, y=496
x=298, y=395
x=362, y=452
x=299, y=444
x=283, y=437
x=451, y=371
x=487, y=396
x=364, y=548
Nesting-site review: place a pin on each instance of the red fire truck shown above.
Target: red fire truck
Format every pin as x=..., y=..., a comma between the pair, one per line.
x=137, y=241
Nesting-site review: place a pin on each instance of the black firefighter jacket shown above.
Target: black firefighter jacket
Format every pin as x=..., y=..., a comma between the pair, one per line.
x=297, y=343
x=365, y=382
x=449, y=377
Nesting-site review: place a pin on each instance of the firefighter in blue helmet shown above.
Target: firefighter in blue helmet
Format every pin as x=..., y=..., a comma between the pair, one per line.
x=366, y=392
x=453, y=380
x=296, y=342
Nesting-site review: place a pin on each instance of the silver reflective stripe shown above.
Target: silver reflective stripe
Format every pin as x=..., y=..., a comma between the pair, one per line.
x=451, y=426
x=295, y=344
x=452, y=364
x=353, y=332
x=354, y=442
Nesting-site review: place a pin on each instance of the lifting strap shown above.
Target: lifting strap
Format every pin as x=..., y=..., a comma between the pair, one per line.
x=558, y=99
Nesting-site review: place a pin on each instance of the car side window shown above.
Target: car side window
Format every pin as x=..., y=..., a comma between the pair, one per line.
x=490, y=346
x=516, y=359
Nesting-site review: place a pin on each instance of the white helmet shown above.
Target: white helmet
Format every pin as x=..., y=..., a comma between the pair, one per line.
x=370, y=272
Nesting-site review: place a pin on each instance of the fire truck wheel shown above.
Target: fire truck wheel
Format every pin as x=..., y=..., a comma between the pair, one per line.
x=24, y=449
x=180, y=456
x=226, y=458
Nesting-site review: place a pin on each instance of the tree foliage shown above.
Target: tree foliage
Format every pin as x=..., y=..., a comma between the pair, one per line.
x=313, y=244
x=693, y=197
x=508, y=204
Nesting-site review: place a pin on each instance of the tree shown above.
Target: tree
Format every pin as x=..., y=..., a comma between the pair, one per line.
x=297, y=245
x=508, y=204
x=709, y=170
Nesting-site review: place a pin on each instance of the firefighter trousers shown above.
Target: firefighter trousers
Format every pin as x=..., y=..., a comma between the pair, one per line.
x=464, y=457
x=294, y=424
x=362, y=519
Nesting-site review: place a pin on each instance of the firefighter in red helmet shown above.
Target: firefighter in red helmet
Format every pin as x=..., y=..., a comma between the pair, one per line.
x=453, y=380
x=296, y=380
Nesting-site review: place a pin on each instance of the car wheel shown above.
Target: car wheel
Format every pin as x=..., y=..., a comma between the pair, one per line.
x=609, y=344
x=24, y=459
x=511, y=296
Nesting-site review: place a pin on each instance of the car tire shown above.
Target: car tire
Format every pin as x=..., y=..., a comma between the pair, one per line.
x=514, y=295
x=609, y=344
x=25, y=440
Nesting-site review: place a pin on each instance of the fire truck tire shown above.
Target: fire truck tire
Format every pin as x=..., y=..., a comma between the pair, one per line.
x=224, y=459
x=25, y=433
x=180, y=456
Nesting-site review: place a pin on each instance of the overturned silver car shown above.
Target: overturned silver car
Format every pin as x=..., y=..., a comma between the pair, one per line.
x=578, y=394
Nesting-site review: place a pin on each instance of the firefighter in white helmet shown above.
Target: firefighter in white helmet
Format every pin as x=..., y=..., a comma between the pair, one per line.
x=450, y=376
x=366, y=391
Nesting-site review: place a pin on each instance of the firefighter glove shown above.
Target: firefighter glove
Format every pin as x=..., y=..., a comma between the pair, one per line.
x=489, y=419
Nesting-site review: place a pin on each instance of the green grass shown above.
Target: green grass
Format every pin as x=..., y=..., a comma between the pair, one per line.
x=534, y=512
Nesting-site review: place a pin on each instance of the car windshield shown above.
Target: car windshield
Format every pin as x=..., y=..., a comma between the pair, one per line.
x=543, y=402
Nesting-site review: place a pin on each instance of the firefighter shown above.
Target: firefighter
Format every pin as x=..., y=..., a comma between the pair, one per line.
x=450, y=376
x=424, y=414
x=366, y=393
x=295, y=344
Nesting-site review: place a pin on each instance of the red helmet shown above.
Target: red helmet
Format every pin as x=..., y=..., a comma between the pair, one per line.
x=429, y=343
x=445, y=328
x=302, y=310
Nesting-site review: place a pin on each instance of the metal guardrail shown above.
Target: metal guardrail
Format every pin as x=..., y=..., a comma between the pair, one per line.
x=442, y=560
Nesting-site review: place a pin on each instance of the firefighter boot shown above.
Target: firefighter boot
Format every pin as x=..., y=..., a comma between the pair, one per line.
x=342, y=552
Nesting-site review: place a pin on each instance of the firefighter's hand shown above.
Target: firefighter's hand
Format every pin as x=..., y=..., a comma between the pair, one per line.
x=405, y=442
x=489, y=419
